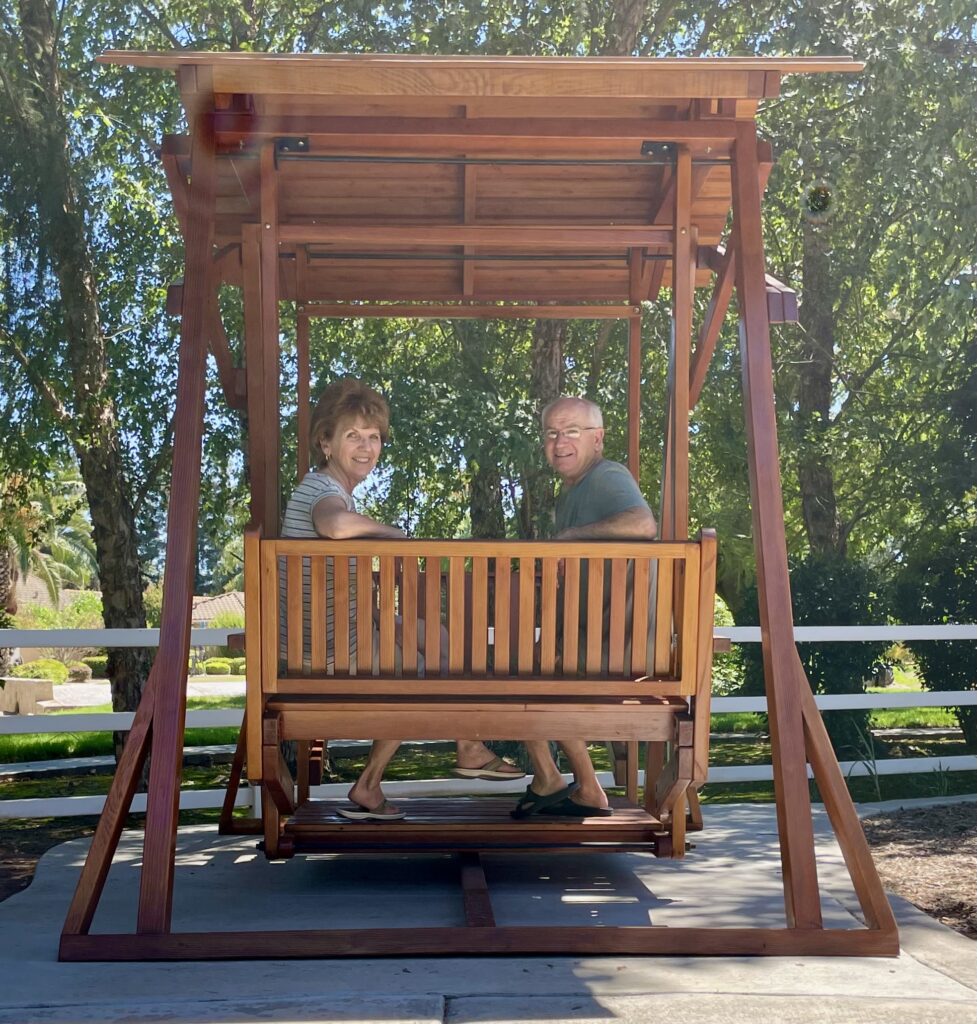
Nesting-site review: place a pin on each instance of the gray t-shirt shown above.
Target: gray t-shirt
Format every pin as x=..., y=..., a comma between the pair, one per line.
x=298, y=522
x=607, y=490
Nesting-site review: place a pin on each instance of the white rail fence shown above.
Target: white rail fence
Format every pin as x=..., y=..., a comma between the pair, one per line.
x=211, y=798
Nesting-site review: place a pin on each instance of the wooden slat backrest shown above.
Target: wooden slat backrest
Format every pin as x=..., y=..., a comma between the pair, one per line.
x=480, y=610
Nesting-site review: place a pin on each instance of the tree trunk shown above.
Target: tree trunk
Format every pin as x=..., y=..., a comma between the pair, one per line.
x=485, y=501
x=545, y=385
x=93, y=423
x=815, y=369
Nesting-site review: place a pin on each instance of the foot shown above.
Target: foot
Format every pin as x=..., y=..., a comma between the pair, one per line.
x=365, y=797
x=590, y=796
x=475, y=756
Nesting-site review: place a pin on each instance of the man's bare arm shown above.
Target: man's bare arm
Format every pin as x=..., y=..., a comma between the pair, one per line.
x=632, y=524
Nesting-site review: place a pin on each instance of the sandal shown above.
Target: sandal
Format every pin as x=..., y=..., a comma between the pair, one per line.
x=494, y=769
x=379, y=813
x=531, y=802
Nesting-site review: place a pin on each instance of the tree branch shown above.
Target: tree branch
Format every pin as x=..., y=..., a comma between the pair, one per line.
x=42, y=386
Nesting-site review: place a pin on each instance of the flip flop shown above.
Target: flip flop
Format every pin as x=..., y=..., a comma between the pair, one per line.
x=531, y=803
x=379, y=813
x=568, y=808
x=491, y=770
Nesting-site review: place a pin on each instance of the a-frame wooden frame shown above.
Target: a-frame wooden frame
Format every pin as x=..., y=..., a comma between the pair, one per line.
x=471, y=114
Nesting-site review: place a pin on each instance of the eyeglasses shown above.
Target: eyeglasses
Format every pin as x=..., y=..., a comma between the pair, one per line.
x=570, y=433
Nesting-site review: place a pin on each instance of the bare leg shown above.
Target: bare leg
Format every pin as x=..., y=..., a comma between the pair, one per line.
x=588, y=791
x=546, y=776
x=366, y=790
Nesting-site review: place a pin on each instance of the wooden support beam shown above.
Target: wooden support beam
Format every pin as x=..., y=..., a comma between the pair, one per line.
x=470, y=134
x=711, y=326
x=784, y=683
x=169, y=712
x=580, y=238
x=128, y=772
x=270, y=345
x=634, y=395
x=473, y=311
x=303, y=369
x=254, y=370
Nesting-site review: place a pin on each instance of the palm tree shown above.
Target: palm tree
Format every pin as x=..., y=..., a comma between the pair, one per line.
x=42, y=530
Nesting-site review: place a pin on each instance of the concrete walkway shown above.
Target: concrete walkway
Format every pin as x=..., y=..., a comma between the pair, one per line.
x=732, y=877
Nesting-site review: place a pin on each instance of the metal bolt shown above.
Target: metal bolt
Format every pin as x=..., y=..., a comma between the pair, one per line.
x=267, y=227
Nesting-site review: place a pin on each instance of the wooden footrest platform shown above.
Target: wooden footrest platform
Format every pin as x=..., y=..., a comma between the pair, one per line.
x=452, y=824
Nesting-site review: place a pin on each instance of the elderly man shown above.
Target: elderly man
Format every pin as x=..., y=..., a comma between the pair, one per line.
x=598, y=500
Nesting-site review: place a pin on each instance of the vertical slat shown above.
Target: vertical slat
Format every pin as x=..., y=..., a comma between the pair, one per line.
x=571, y=616
x=456, y=615
x=547, y=661
x=615, y=639
x=340, y=614
x=639, y=621
x=388, y=636
x=364, y=615
x=432, y=617
x=690, y=607
x=293, y=613
x=479, y=614
x=595, y=615
x=663, y=617
x=408, y=613
x=527, y=614
x=503, y=577
x=317, y=614
x=703, y=658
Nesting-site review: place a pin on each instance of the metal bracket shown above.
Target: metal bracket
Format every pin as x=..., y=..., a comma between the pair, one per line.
x=290, y=144
x=662, y=152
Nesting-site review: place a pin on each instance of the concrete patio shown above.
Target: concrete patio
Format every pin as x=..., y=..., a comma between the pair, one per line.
x=732, y=877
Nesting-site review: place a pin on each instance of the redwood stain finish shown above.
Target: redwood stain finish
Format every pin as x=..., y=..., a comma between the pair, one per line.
x=484, y=188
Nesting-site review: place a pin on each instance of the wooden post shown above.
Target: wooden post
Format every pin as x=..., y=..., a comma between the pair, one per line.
x=270, y=347
x=156, y=881
x=783, y=680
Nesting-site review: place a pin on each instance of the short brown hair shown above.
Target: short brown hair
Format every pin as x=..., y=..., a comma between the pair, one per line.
x=346, y=398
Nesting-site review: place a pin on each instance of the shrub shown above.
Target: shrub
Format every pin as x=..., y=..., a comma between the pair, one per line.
x=43, y=668
x=829, y=591
x=217, y=667
x=99, y=664
x=79, y=672
x=239, y=666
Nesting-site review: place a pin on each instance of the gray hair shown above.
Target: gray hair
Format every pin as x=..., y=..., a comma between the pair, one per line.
x=591, y=407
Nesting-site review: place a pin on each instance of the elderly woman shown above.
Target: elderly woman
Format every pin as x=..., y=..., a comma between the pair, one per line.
x=348, y=429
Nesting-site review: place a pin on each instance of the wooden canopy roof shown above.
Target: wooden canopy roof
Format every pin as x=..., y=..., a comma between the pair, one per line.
x=475, y=179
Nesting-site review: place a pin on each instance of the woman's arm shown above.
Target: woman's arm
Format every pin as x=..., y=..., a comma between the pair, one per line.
x=332, y=519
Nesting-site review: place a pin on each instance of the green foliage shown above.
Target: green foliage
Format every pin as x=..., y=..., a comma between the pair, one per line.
x=936, y=585
x=42, y=668
x=217, y=667
x=153, y=603
x=238, y=666
x=226, y=620
x=80, y=611
x=99, y=664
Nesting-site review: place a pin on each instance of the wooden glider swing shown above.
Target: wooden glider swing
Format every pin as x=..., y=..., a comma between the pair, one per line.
x=408, y=186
